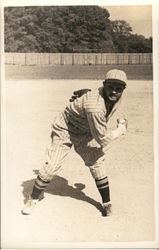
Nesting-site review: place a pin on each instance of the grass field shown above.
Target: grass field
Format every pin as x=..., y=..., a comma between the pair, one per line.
x=70, y=212
x=76, y=72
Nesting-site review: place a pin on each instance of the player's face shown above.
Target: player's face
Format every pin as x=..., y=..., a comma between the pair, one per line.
x=113, y=91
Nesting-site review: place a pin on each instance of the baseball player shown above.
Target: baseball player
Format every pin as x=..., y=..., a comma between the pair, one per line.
x=83, y=124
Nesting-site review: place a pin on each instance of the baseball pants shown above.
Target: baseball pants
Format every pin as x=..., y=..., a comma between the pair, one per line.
x=61, y=142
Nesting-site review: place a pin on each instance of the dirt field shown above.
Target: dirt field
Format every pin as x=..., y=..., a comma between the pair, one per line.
x=76, y=72
x=70, y=211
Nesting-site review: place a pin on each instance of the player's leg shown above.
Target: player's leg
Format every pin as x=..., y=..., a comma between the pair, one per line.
x=94, y=158
x=98, y=172
x=55, y=155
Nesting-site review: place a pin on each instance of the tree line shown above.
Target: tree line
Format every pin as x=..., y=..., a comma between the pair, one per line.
x=67, y=29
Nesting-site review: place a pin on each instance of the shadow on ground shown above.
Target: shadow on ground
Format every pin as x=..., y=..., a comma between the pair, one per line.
x=60, y=186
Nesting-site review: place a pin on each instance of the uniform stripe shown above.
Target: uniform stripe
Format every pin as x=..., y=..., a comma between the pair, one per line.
x=40, y=180
x=39, y=187
x=100, y=182
x=105, y=186
x=101, y=185
x=41, y=183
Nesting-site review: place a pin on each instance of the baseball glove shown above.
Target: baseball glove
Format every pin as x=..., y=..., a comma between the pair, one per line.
x=78, y=93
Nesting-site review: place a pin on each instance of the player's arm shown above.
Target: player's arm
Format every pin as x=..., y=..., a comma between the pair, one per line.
x=97, y=123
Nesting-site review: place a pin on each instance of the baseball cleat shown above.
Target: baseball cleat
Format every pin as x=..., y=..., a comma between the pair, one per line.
x=107, y=209
x=29, y=206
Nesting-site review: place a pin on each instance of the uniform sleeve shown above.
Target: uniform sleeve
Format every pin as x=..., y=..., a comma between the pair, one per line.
x=98, y=128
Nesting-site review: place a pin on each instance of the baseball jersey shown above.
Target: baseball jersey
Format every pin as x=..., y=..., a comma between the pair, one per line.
x=90, y=114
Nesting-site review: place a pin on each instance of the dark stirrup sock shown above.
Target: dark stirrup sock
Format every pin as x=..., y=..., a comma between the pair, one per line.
x=103, y=188
x=39, y=187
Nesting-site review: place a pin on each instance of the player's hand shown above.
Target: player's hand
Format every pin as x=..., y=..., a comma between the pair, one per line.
x=122, y=124
x=78, y=93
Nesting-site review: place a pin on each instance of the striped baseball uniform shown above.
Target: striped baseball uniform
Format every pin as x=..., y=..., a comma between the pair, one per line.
x=82, y=125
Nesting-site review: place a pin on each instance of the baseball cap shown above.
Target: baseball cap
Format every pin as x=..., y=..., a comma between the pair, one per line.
x=116, y=76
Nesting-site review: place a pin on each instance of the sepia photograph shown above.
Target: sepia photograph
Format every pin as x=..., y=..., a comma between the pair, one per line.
x=79, y=119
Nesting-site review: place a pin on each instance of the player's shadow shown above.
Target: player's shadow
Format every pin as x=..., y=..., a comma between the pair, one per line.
x=60, y=186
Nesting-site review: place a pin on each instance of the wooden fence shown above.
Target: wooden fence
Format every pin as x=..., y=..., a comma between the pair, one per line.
x=77, y=58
